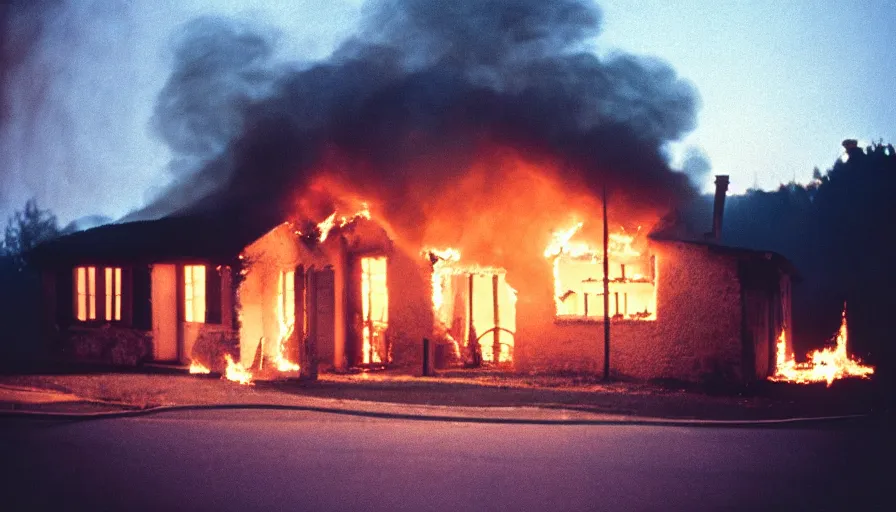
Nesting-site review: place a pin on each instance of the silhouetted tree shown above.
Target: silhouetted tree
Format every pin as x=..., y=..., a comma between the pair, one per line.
x=20, y=303
x=27, y=228
x=840, y=232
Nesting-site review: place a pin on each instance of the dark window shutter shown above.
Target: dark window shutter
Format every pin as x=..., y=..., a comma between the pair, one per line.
x=213, y=295
x=101, y=293
x=140, y=297
x=65, y=297
x=127, y=296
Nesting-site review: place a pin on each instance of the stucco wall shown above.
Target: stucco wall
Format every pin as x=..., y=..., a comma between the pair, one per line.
x=696, y=334
x=410, y=308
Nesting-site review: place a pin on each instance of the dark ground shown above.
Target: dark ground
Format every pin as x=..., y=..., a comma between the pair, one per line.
x=274, y=460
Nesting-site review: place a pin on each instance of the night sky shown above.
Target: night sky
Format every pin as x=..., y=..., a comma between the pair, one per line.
x=780, y=83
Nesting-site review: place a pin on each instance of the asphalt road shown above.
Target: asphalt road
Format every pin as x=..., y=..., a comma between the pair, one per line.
x=270, y=460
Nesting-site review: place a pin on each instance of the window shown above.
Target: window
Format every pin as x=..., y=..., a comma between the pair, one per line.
x=113, y=294
x=194, y=293
x=286, y=300
x=578, y=280
x=85, y=282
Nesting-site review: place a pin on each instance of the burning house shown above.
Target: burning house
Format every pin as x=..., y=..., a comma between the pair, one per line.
x=279, y=297
x=439, y=176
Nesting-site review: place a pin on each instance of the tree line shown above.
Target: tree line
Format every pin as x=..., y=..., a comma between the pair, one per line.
x=839, y=230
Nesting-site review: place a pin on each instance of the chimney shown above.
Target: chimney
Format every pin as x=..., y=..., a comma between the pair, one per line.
x=718, y=208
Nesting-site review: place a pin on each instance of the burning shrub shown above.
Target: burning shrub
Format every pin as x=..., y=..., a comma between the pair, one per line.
x=212, y=345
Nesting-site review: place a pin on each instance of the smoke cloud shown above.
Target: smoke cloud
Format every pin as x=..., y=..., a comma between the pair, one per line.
x=696, y=164
x=79, y=81
x=408, y=105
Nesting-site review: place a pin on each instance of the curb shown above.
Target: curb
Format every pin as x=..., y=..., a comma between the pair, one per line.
x=621, y=420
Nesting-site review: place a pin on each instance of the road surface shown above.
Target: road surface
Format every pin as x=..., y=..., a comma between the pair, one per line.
x=280, y=460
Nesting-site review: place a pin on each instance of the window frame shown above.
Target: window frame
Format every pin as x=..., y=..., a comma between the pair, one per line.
x=113, y=294
x=615, y=295
x=84, y=295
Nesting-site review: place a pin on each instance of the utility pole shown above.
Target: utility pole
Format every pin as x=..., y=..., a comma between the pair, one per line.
x=606, y=288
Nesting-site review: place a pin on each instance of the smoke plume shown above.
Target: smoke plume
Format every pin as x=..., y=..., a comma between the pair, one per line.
x=430, y=105
x=71, y=120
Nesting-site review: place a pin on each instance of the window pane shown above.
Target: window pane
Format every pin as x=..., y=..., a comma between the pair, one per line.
x=199, y=293
x=109, y=284
x=91, y=292
x=194, y=293
x=188, y=293
x=82, y=293
x=118, y=294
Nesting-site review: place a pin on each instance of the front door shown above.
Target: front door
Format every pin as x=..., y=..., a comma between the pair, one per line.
x=164, y=312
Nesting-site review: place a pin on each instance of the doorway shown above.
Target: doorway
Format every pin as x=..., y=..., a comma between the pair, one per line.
x=164, y=312
x=374, y=311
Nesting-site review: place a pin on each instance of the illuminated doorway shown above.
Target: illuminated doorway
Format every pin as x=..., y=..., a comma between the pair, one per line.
x=374, y=311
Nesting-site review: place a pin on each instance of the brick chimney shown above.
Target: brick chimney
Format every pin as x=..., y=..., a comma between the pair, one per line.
x=718, y=207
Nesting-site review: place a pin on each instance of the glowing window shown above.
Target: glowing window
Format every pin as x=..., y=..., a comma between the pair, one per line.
x=85, y=282
x=286, y=299
x=113, y=294
x=579, y=275
x=194, y=293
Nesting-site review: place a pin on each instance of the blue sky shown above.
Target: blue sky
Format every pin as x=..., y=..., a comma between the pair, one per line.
x=782, y=84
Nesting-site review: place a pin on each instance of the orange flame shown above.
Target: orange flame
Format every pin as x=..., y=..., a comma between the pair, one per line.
x=236, y=373
x=828, y=364
x=326, y=225
x=281, y=362
x=197, y=368
x=331, y=223
x=286, y=322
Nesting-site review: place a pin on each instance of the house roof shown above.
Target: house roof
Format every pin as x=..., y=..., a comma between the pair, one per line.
x=209, y=236
x=755, y=256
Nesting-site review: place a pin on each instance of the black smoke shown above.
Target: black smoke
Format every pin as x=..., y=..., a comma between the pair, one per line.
x=421, y=81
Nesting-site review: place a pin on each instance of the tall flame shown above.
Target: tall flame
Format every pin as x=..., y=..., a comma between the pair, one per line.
x=828, y=364
x=235, y=372
x=281, y=362
x=286, y=322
